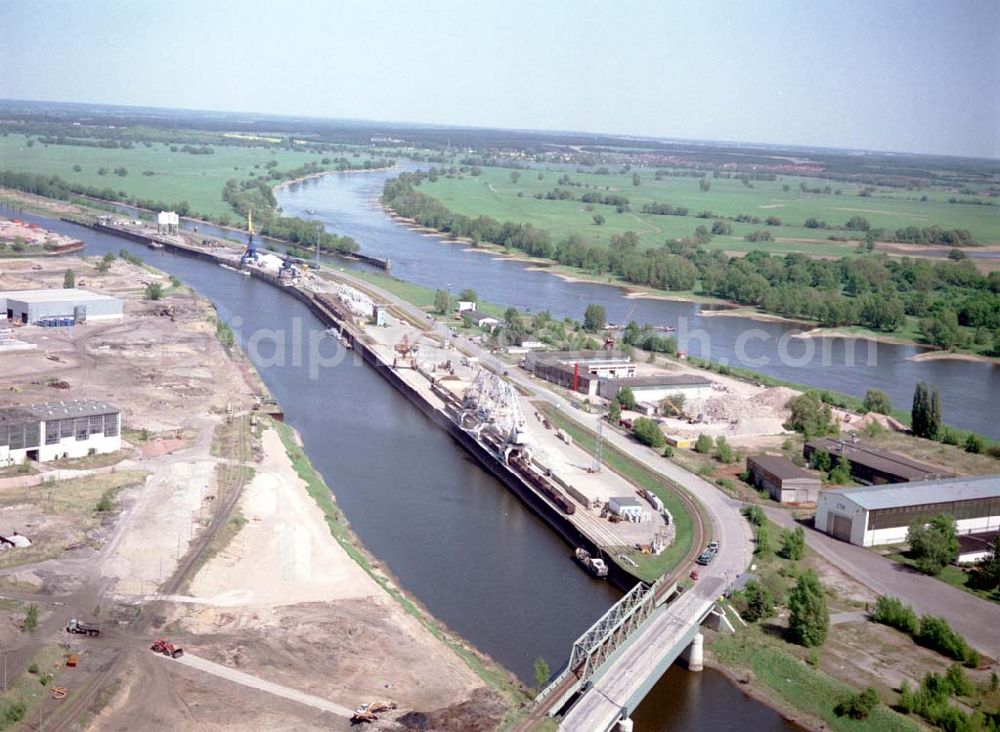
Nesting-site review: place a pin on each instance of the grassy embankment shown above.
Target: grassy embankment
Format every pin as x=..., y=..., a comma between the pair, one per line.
x=953, y=575
x=796, y=684
x=491, y=674
x=649, y=567
x=176, y=176
x=493, y=194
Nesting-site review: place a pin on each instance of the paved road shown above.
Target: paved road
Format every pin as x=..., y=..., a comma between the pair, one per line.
x=977, y=619
x=238, y=677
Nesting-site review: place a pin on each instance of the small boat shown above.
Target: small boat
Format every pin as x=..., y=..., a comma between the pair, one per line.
x=244, y=272
x=593, y=565
x=665, y=328
x=311, y=211
x=154, y=244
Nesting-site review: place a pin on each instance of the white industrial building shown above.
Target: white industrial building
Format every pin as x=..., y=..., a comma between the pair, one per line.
x=654, y=389
x=167, y=222
x=54, y=430
x=627, y=507
x=882, y=514
x=57, y=306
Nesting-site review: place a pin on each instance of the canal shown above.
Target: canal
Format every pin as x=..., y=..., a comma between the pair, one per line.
x=449, y=532
x=347, y=204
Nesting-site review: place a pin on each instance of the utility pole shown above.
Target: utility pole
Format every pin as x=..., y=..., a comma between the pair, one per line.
x=598, y=443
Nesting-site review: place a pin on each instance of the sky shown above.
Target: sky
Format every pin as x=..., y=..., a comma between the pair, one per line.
x=915, y=76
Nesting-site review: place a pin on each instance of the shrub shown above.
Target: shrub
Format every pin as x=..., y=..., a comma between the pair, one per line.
x=892, y=612
x=759, y=602
x=31, y=618
x=154, y=291
x=763, y=547
x=14, y=711
x=857, y=706
x=703, y=444
x=648, y=432
x=754, y=514
x=668, y=451
x=933, y=546
x=936, y=634
x=793, y=544
x=723, y=452
x=975, y=444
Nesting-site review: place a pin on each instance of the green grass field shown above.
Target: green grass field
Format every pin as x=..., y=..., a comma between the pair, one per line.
x=177, y=176
x=493, y=194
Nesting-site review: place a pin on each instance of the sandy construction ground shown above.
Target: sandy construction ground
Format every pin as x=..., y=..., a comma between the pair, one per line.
x=284, y=555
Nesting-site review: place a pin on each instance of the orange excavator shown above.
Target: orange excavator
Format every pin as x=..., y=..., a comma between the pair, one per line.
x=162, y=645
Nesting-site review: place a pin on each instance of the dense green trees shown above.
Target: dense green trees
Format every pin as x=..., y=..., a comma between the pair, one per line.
x=873, y=290
x=810, y=416
x=925, y=415
x=595, y=317
x=442, y=302
x=877, y=401
x=626, y=398
x=933, y=546
x=809, y=618
x=69, y=279
x=648, y=432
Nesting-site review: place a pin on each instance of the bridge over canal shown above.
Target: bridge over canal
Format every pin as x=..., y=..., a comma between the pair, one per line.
x=615, y=663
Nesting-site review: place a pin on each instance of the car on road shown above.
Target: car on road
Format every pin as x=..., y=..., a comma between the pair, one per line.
x=705, y=558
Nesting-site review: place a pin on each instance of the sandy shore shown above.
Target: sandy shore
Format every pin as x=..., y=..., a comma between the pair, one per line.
x=952, y=356
x=286, y=183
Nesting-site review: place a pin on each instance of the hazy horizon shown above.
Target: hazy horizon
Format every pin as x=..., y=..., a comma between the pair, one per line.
x=828, y=75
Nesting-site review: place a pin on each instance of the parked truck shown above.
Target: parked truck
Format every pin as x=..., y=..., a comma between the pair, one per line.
x=80, y=628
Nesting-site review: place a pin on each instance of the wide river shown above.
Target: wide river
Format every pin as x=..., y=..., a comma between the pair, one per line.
x=453, y=535
x=348, y=204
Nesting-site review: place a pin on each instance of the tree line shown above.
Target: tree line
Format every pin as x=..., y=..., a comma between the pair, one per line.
x=873, y=290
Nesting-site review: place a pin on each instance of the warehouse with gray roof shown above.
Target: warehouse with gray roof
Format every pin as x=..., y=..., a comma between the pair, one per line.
x=59, y=306
x=882, y=514
x=68, y=429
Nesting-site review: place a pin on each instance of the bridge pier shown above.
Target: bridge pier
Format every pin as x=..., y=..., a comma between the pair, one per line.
x=694, y=654
x=624, y=725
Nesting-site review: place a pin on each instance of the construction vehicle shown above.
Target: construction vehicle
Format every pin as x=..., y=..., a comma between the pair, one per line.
x=75, y=626
x=162, y=645
x=367, y=712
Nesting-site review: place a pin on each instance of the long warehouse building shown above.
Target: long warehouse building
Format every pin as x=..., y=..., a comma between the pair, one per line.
x=70, y=304
x=882, y=514
x=69, y=429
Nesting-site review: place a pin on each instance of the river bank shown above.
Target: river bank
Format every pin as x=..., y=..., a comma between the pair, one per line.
x=311, y=176
x=632, y=291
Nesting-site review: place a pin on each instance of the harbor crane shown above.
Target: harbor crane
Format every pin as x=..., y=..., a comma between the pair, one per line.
x=405, y=351
x=492, y=406
x=250, y=253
